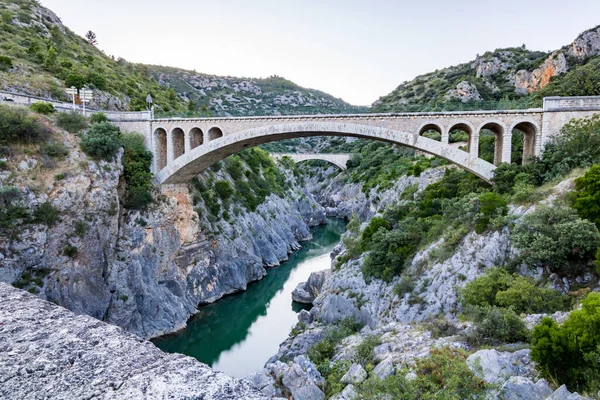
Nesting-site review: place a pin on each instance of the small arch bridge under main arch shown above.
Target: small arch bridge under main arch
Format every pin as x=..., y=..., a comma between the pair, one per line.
x=339, y=160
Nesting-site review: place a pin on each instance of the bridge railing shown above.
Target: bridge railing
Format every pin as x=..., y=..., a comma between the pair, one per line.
x=519, y=104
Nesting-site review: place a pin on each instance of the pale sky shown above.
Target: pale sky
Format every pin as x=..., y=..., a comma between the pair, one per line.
x=356, y=50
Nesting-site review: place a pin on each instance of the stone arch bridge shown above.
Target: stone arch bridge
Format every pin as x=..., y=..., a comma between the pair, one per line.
x=183, y=148
x=339, y=160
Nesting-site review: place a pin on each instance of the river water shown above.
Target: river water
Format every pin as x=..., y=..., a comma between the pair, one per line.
x=239, y=333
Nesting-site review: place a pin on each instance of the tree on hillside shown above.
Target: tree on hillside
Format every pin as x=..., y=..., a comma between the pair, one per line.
x=91, y=38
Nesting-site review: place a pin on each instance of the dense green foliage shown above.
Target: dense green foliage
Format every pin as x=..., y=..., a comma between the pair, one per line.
x=442, y=375
x=254, y=175
x=102, y=141
x=378, y=165
x=451, y=207
x=496, y=325
x=31, y=41
x=72, y=122
x=98, y=117
x=46, y=214
x=137, y=162
x=18, y=125
x=499, y=288
x=586, y=198
x=42, y=108
x=556, y=238
x=570, y=353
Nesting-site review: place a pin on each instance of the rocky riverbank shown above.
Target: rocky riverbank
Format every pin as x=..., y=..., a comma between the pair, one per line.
x=404, y=327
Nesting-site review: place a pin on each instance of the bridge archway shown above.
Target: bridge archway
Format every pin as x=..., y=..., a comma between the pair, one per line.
x=524, y=138
x=160, y=148
x=460, y=132
x=432, y=131
x=498, y=131
x=178, y=138
x=182, y=170
x=214, y=133
x=196, y=137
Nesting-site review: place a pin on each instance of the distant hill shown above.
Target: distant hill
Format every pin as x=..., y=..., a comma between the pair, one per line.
x=248, y=96
x=515, y=76
x=41, y=56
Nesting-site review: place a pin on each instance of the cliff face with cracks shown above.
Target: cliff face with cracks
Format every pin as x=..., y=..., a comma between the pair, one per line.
x=145, y=272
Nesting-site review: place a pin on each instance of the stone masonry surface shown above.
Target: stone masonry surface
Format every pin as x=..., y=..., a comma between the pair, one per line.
x=47, y=352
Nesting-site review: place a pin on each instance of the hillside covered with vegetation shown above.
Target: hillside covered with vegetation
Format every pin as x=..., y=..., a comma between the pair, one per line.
x=42, y=57
x=506, y=78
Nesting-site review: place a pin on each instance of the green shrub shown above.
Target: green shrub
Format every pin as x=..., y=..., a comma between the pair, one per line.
x=223, y=189
x=46, y=214
x=5, y=63
x=102, y=141
x=406, y=285
x=136, y=170
x=492, y=205
x=70, y=251
x=494, y=325
x=81, y=228
x=389, y=252
x=72, y=122
x=75, y=80
x=443, y=374
x=586, y=198
x=18, y=125
x=42, y=108
x=98, y=117
x=60, y=177
x=54, y=149
x=570, y=353
x=375, y=224
x=555, y=237
x=364, y=351
x=499, y=288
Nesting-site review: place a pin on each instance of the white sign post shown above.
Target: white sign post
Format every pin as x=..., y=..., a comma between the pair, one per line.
x=73, y=92
x=85, y=96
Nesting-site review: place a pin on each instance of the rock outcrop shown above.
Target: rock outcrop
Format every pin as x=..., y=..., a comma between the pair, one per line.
x=144, y=271
x=47, y=351
x=306, y=292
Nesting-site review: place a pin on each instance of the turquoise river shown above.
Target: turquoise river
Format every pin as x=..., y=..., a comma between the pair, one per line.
x=239, y=333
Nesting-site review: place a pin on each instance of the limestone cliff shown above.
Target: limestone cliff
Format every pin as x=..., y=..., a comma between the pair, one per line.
x=144, y=271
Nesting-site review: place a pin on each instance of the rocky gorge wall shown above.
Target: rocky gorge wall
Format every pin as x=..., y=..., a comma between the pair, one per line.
x=401, y=323
x=143, y=271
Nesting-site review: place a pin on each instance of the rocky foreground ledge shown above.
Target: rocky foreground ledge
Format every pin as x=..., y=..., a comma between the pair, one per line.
x=47, y=352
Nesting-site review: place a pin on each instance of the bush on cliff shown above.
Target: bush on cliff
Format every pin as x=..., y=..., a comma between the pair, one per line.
x=102, y=141
x=496, y=325
x=499, y=288
x=43, y=107
x=19, y=125
x=556, y=238
x=443, y=374
x=586, y=198
x=72, y=122
x=570, y=353
x=136, y=171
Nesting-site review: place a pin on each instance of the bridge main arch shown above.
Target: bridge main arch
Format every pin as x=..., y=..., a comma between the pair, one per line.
x=185, y=167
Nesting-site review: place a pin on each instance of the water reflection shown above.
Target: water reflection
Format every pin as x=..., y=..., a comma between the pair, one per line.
x=240, y=332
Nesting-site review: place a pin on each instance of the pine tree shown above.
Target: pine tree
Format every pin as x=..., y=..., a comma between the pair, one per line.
x=91, y=38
